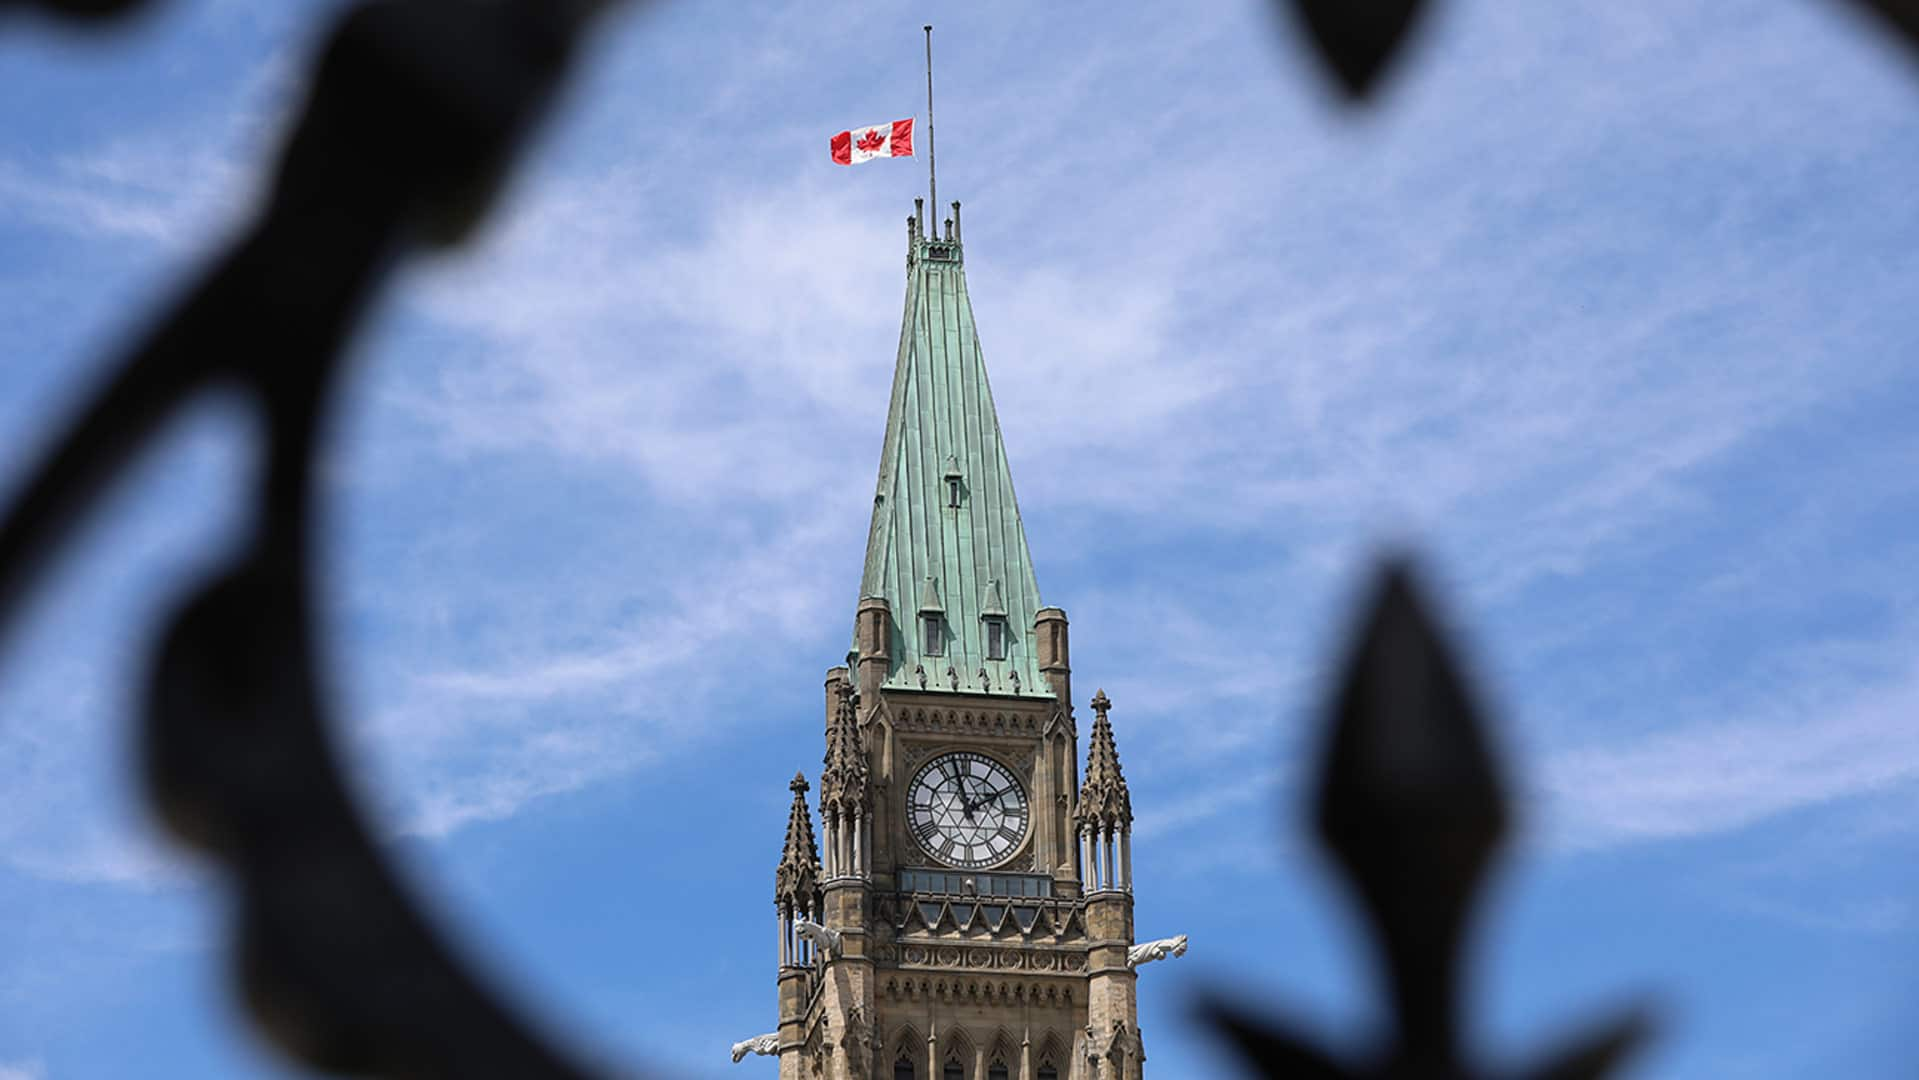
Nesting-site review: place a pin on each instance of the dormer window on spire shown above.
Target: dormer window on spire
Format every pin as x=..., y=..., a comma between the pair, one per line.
x=993, y=614
x=952, y=478
x=932, y=621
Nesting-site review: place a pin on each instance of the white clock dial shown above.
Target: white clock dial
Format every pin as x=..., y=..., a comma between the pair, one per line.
x=966, y=809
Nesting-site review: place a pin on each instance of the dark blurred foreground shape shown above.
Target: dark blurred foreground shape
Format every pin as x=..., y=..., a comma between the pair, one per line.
x=1412, y=808
x=417, y=111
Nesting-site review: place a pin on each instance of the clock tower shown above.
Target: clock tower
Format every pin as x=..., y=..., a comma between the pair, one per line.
x=966, y=910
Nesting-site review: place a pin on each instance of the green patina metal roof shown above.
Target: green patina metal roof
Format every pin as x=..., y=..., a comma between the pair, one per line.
x=970, y=562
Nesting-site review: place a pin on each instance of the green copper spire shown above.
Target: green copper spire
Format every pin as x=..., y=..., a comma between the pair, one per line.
x=946, y=541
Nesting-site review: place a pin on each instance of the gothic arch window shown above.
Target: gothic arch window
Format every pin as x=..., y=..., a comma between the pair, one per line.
x=1002, y=1049
x=1051, y=1049
x=958, y=1050
x=906, y=1043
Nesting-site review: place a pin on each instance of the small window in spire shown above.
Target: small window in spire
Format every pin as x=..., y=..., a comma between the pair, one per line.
x=995, y=638
x=952, y=478
x=935, y=633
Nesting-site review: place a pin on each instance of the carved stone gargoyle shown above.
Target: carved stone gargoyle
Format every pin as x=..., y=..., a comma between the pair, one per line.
x=767, y=1045
x=1155, y=950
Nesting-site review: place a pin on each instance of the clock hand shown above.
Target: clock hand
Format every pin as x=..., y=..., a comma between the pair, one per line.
x=971, y=804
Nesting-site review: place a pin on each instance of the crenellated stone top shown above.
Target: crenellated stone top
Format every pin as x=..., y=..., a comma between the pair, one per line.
x=797, y=878
x=1103, y=799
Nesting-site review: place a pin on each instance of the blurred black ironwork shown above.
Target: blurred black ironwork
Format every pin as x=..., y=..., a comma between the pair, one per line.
x=1412, y=808
x=82, y=11
x=417, y=109
x=1357, y=39
x=1898, y=15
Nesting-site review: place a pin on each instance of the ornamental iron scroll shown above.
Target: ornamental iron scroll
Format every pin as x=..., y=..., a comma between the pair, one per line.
x=400, y=145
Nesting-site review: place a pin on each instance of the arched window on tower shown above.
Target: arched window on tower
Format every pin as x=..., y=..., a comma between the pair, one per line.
x=903, y=1069
x=997, y=1071
x=1047, y=1072
x=953, y=1071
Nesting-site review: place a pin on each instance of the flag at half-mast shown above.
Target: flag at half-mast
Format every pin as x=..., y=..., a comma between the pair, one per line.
x=880, y=140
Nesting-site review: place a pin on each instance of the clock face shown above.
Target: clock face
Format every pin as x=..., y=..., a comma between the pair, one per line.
x=966, y=809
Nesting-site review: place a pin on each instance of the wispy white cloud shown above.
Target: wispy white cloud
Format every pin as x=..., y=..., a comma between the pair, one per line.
x=174, y=189
x=1258, y=787
x=23, y=1070
x=1809, y=746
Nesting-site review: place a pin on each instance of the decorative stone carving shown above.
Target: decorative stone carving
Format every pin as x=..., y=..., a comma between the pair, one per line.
x=825, y=939
x=1156, y=950
x=766, y=1045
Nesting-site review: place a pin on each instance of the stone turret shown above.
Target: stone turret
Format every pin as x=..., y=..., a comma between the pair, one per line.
x=846, y=807
x=796, y=895
x=796, y=881
x=1104, y=818
x=1105, y=806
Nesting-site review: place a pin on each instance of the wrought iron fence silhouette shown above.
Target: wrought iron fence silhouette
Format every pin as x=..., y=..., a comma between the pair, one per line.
x=400, y=145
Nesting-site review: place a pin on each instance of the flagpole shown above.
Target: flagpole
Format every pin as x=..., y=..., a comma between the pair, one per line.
x=932, y=180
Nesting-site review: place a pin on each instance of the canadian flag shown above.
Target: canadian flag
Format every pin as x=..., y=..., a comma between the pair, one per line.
x=880, y=140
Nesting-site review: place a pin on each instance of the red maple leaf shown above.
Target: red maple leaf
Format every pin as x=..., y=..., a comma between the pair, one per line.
x=871, y=139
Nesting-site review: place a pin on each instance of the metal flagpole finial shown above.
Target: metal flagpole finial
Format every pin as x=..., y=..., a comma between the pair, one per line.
x=932, y=178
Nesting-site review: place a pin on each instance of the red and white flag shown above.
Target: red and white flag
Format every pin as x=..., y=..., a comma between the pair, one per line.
x=880, y=140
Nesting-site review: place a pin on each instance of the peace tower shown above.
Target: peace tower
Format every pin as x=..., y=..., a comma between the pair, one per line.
x=966, y=912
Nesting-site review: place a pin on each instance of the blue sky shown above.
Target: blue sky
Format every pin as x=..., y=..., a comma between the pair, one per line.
x=1606, y=311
